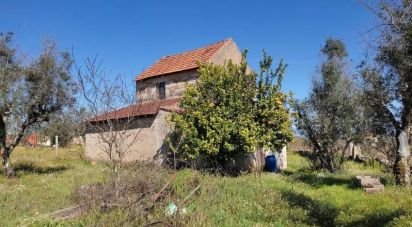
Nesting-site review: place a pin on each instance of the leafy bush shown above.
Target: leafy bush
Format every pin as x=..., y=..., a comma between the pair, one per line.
x=231, y=111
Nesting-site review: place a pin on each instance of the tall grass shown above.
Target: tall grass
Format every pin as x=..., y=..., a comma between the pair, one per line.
x=44, y=183
x=296, y=197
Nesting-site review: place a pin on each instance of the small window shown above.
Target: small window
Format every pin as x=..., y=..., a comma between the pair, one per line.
x=161, y=90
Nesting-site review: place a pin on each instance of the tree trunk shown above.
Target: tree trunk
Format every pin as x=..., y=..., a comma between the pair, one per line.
x=116, y=177
x=401, y=168
x=283, y=162
x=4, y=151
x=8, y=169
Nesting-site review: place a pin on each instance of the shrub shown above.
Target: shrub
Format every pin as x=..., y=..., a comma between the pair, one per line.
x=130, y=192
x=231, y=111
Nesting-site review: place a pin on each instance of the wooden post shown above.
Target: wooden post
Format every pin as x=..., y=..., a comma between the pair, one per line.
x=56, y=143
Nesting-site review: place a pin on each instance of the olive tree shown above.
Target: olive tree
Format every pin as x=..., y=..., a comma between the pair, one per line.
x=30, y=93
x=331, y=118
x=388, y=80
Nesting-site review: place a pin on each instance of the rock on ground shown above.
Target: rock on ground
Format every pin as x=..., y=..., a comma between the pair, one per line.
x=370, y=184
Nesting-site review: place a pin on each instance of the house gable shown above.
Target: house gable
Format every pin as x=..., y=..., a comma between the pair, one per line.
x=178, y=70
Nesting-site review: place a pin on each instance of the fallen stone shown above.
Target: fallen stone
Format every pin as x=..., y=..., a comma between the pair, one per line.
x=370, y=184
x=375, y=189
x=367, y=181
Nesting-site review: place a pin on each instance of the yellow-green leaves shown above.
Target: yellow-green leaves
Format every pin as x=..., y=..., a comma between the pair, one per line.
x=230, y=111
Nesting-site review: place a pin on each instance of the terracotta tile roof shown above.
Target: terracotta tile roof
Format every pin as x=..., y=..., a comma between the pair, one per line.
x=144, y=109
x=182, y=61
x=32, y=139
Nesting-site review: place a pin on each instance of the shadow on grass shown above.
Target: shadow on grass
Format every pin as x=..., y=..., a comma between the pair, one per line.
x=325, y=214
x=313, y=178
x=28, y=167
x=320, y=213
x=317, y=180
x=287, y=172
x=382, y=218
x=320, y=179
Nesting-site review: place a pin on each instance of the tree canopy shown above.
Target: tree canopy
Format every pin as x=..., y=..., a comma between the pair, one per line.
x=388, y=80
x=232, y=110
x=331, y=118
x=30, y=94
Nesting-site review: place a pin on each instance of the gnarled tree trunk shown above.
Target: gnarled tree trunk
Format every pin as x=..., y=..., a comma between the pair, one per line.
x=8, y=169
x=401, y=168
x=4, y=151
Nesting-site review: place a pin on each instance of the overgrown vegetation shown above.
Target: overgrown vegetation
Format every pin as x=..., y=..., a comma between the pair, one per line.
x=376, y=112
x=231, y=111
x=297, y=197
x=332, y=117
x=132, y=192
x=45, y=183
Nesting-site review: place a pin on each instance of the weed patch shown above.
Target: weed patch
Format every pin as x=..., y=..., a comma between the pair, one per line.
x=296, y=197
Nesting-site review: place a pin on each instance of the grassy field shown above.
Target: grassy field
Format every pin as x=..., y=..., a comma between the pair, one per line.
x=297, y=197
x=44, y=184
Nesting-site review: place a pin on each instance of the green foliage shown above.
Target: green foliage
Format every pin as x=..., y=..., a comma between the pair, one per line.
x=63, y=128
x=270, y=112
x=31, y=94
x=66, y=126
x=232, y=111
x=45, y=183
x=331, y=117
x=388, y=81
x=299, y=197
x=334, y=48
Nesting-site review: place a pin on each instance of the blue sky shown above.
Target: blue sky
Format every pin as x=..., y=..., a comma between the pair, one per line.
x=131, y=35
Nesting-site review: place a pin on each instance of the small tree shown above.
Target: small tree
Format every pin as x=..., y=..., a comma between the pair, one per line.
x=231, y=111
x=68, y=124
x=331, y=118
x=112, y=109
x=270, y=106
x=30, y=95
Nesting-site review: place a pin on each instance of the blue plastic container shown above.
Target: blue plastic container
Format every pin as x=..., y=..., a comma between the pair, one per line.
x=270, y=163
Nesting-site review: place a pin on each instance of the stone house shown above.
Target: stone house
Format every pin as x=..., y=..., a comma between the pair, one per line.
x=158, y=90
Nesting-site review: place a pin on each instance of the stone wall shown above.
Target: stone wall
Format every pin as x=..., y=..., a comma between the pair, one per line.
x=175, y=82
x=226, y=52
x=175, y=85
x=148, y=146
